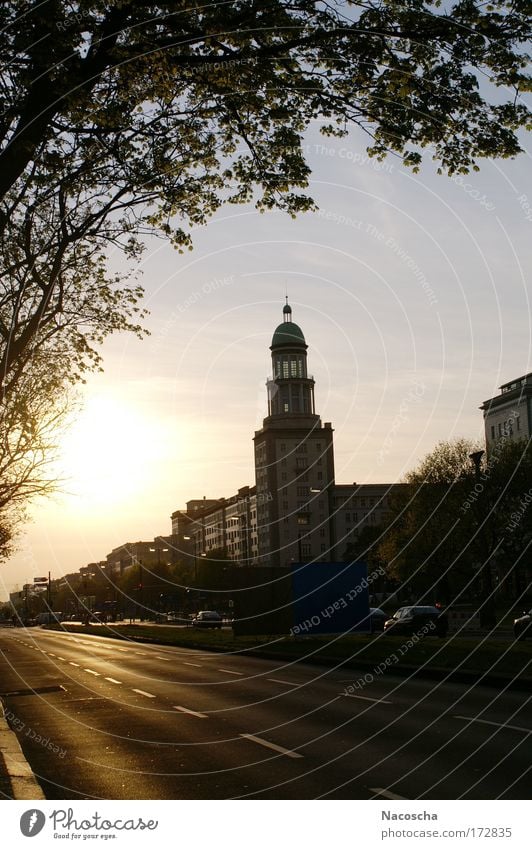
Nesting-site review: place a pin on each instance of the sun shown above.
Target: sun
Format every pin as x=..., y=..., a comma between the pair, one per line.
x=108, y=454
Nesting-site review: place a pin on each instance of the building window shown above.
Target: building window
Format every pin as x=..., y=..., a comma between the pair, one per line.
x=318, y=446
x=518, y=422
x=322, y=532
x=500, y=429
x=305, y=549
x=303, y=490
x=301, y=463
x=303, y=519
x=323, y=547
x=283, y=476
x=320, y=476
x=283, y=446
x=301, y=448
x=348, y=517
x=285, y=505
x=493, y=431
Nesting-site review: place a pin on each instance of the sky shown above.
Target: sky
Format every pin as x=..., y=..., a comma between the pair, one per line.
x=412, y=291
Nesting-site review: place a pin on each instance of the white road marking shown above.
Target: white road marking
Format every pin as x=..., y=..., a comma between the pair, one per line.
x=230, y=672
x=71, y=662
x=191, y=664
x=278, y=681
x=158, y=656
x=379, y=791
x=498, y=724
x=92, y=672
x=51, y=654
x=60, y=658
x=288, y=752
x=141, y=653
x=113, y=680
x=144, y=693
x=191, y=712
x=365, y=698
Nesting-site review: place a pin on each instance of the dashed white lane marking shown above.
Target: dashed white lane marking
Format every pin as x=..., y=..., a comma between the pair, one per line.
x=144, y=693
x=288, y=752
x=92, y=672
x=366, y=698
x=158, y=656
x=230, y=672
x=191, y=712
x=71, y=662
x=51, y=654
x=279, y=681
x=498, y=724
x=191, y=664
x=141, y=653
x=60, y=658
x=113, y=680
x=379, y=791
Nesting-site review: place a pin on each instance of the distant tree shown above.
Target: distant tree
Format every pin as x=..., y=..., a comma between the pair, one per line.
x=366, y=546
x=449, y=523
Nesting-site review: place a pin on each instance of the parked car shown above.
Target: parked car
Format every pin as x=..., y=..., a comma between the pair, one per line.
x=523, y=626
x=411, y=620
x=377, y=618
x=49, y=617
x=207, y=619
x=178, y=618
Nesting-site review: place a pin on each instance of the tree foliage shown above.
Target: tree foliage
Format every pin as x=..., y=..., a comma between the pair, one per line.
x=450, y=524
x=119, y=118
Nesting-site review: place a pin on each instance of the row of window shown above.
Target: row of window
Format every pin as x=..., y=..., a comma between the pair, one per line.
x=301, y=447
x=506, y=428
x=288, y=366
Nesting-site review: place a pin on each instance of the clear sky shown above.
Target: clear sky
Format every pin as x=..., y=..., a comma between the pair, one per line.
x=413, y=295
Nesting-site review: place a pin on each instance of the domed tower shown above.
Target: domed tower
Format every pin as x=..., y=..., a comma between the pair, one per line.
x=294, y=459
x=291, y=389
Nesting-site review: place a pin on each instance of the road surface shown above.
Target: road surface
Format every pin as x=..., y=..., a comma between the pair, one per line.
x=109, y=719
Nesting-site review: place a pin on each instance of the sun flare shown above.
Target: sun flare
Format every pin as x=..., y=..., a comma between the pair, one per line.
x=108, y=454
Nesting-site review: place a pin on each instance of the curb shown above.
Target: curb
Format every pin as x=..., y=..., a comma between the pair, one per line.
x=23, y=783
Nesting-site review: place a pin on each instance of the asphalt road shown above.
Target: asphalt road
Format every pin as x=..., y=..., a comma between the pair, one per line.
x=108, y=719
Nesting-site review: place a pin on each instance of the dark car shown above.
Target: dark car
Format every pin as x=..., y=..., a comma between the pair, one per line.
x=207, y=619
x=415, y=619
x=377, y=618
x=523, y=626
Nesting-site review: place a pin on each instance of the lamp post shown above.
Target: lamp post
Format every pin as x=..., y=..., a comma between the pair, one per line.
x=487, y=608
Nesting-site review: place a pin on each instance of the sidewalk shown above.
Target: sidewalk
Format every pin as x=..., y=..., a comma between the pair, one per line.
x=17, y=781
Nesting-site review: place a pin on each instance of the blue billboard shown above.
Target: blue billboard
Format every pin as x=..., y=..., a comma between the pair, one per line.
x=329, y=598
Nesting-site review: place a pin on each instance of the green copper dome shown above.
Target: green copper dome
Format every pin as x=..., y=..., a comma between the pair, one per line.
x=288, y=333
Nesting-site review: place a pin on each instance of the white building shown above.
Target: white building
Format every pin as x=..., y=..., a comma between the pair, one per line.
x=509, y=415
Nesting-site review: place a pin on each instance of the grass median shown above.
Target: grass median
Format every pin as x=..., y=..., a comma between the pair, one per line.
x=501, y=660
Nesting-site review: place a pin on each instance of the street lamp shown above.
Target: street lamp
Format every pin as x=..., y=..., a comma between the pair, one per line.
x=487, y=611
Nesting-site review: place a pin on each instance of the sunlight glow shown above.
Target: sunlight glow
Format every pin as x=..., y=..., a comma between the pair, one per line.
x=108, y=456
